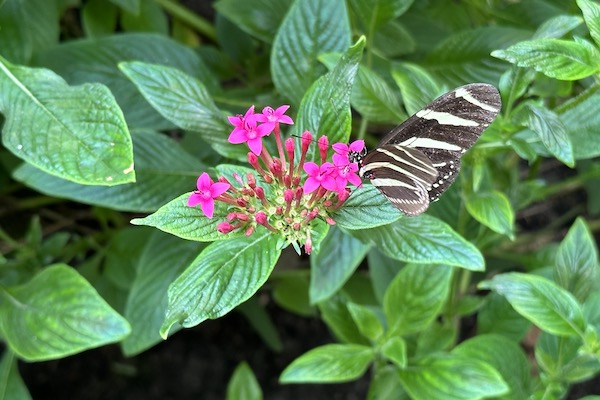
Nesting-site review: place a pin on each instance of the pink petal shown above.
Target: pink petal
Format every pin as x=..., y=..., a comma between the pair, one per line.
x=340, y=182
x=284, y=119
x=235, y=121
x=265, y=129
x=311, y=168
x=327, y=168
x=204, y=182
x=340, y=148
x=329, y=183
x=208, y=207
x=311, y=185
x=255, y=145
x=218, y=189
x=281, y=110
x=194, y=200
x=249, y=113
x=357, y=145
x=238, y=136
x=354, y=179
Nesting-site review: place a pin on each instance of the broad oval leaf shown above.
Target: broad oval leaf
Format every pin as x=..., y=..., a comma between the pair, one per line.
x=77, y=133
x=223, y=276
x=452, y=377
x=56, y=314
x=493, y=210
x=591, y=15
x=417, y=86
x=329, y=363
x=552, y=133
x=541, y=301
x=367, y=321
x=415, y=297
x=366, y=208
x=425, y=240
x=581, y=118
x=310, y=28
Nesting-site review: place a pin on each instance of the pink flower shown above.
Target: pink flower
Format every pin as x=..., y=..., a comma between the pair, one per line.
x=206, y=193
x=274, y=116
x=319, y=177
x=345, y=174
x=342, y=150
x=247, y=131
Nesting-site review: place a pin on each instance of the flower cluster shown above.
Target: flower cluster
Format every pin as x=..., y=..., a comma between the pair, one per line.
x=284, y=195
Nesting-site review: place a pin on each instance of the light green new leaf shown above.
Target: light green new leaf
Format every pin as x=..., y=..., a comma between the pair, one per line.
x=12, y=386
x=552, y=133
x=591, y=15
x=366, y=208
x=506, y=357
x=424, y=240
x=158, y=179
x=366, y=320
x=541, y=301
x=557, y=27
x=56, y=314
x=335, y=313
x=310, y=28
x=493, y=210
x=325, y=108
x=77, y=133
x=223, y=276
x=243, y=384
x=394, y=350
x=184, y=101
x=417, y=86
x=259, y=18
x=415, y=297
x=556, y=58
x=577, y=268
x=337, y=259
x=163, y=258
x=328, y=364
x=452, y=377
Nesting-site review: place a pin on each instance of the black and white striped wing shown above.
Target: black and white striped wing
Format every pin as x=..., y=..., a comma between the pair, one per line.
x=441, y=132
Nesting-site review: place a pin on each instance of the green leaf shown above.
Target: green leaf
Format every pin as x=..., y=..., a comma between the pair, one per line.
x=259, y=18
x=184, y=101
x=556, y=58
x=366, y=208
x=415, y=297
x=382, y=270
x=79, y=61
x=417, y=86
x=132, y=6
x=492, y=209
x=498, y=317
x=74, y=132
x=581, y=117
x=452, y=377
x=257, y=316
x=562, y=359
x=393, y=40
x=11, y=384
x=591, y=15
x=366, y=320
x=56, y=314
x=150, y=18
x=423, y=239
x=395, y=350
x=551, y=308
x=465, y=56
x=385, y=385
x=557, y=27
x=224, y=275
x=577, y=266
x=325, y=107
x=290, y=291
x=163, y=258
x=335, y=313
x=339, y=256
x=158, y=179
x=329, y=363
x=374, y=13
x=243, y=384
x=436, y=338
x=506, y=357
x=310, y=28
x=99, y=18
x=552, y=132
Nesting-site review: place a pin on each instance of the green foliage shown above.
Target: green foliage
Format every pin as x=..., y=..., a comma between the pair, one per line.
x=113, y=108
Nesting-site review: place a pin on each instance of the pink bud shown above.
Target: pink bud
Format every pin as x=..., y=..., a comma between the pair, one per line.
x=308, y=244
x=330, y=221
x=261, y=217
x=225, y=227
x=251, y=180
x=287, y=180
x=278, y=210
x=323, y=143
x=306, y=139
x=288, y=195
x=249, y=231
x=275, y=167
x=252, y=159
x=289, y=146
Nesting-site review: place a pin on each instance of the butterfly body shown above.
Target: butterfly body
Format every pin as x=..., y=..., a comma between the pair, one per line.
x=419, y=159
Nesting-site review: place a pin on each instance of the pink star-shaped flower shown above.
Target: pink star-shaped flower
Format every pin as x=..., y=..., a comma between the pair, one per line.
x=342, y=150
x=270, y=116
x=319, y=177
x=206, y=193
x=347, y=173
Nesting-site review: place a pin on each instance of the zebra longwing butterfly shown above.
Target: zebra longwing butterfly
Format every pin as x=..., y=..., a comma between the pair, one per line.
x=420, y=158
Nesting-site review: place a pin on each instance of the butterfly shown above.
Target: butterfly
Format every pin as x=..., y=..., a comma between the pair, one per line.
x=420, y=158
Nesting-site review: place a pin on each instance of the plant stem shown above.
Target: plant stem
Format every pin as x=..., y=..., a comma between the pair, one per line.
x=190, y=18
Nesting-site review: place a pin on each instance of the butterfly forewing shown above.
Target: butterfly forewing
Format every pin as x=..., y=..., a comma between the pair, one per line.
x=423, y=153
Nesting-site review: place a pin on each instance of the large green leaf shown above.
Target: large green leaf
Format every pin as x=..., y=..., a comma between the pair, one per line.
x=581, y=117
x=163, y=258
x=259, y=18
x=591, y=15
x=498, y=317
x=366, y=208
x=224, y=275
x=185, y=102
x=310, y=28
x=577, y=268
x=325, y=108
x=57, y=313
x=493, y=210
x=552, y=133
x=339, y=256
x=96, y=60
x=335, y=313
x=415, y=297
x=452, y=377
x=556, y=58
x=12, y=386
x=329, y=363
x=158, y=178
x=74, y=132
x=417, y=86
x=541, y=301
x=424, y=240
